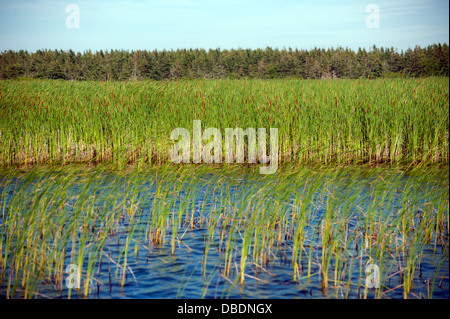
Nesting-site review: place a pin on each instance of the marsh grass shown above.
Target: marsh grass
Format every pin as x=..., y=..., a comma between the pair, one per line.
x=345, y=121
x=328, y=224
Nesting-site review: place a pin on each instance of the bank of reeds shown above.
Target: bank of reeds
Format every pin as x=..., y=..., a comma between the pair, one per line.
x=326, y=121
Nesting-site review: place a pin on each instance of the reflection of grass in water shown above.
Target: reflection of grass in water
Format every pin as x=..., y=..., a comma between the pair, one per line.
x=326, y=223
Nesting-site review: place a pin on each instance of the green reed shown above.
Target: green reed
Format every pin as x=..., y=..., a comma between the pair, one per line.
x=342, y=121
x=326, y=223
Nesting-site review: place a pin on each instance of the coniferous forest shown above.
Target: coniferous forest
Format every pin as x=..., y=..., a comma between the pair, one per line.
x=265, y=63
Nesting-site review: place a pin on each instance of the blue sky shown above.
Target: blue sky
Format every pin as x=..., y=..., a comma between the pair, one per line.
x=173, y=24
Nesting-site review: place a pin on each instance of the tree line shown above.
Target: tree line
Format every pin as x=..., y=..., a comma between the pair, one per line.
x=267, y=63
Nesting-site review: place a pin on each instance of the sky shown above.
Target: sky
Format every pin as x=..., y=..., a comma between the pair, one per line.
x=210, y=24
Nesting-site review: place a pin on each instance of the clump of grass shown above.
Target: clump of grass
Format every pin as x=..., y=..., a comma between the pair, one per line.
x=53, y=220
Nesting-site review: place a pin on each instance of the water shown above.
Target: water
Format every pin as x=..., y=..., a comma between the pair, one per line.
x=197, y=268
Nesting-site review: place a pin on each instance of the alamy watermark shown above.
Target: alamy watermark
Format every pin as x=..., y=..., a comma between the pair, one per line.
x=373, y=19
x=73, y=19
x=73, y=280
x=373, y=277
x=212, y=151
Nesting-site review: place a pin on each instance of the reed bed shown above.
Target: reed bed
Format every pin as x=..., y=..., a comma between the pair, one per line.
x=327, y=214
x=319, y=121
x=326, y=224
